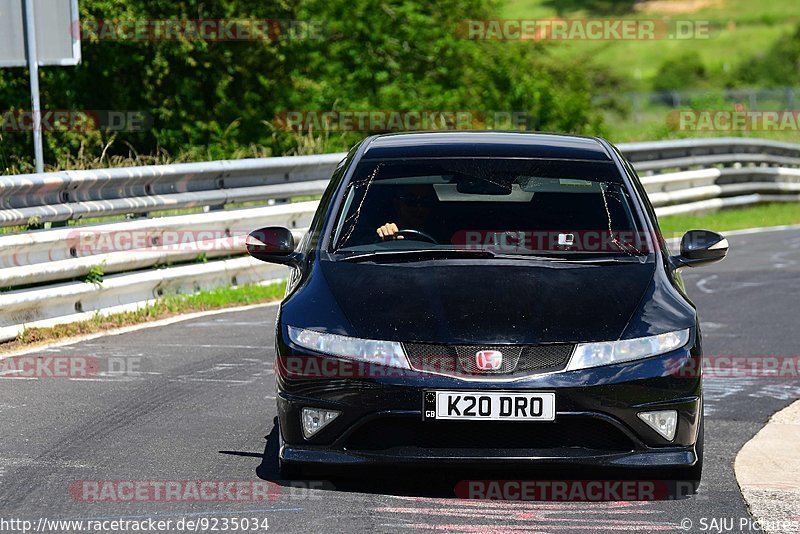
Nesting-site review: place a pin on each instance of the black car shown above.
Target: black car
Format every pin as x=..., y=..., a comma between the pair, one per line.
x=487, y=297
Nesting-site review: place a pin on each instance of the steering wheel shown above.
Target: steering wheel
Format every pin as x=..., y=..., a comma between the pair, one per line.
x=414, y=235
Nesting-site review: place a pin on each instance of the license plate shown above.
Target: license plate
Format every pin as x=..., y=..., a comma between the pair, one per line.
x=489, y=406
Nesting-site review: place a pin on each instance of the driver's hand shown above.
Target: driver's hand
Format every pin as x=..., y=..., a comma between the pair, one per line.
x=389, y=231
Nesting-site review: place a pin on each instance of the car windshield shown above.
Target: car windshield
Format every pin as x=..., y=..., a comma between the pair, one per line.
x=506, y=206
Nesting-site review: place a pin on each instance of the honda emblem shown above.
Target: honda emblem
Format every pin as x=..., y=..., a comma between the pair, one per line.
x=488, y=360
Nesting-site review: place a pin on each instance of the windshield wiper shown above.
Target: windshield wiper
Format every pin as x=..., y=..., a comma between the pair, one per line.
x=421, y=254
x=603, y=260
x=435, y=254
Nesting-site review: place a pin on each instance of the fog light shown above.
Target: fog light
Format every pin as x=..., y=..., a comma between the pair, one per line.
x=315, y=419
x=664, y=422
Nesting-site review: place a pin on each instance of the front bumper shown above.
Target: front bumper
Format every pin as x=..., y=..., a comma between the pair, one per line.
x=596, y=418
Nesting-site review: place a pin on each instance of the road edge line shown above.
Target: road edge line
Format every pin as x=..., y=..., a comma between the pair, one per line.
x=135, y=327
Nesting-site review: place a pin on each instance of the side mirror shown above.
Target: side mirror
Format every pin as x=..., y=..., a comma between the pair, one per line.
x=701, y=247
x=274, y=244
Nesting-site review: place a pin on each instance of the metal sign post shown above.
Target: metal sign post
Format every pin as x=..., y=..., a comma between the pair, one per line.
x=33, y=69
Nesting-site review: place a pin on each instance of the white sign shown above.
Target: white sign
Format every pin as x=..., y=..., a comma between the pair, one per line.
x=57, y=33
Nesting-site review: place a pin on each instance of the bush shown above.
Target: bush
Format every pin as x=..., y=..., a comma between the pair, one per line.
x=779, y=66
x=592, y=7
x=213, y=100
x=685, y=71
x=410, y=56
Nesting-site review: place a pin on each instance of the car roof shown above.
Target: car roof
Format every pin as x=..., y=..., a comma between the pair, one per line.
x=486, y=144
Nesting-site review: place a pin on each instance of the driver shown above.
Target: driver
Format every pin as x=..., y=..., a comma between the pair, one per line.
x=413, y=208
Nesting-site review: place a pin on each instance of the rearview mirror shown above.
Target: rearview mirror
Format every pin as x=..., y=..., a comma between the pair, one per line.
x=701, y=247
x=274, y=244
x=470, y=185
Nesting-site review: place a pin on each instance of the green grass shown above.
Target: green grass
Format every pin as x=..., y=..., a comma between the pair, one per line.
x=640, y=60
x=732, y=219
x=222, y=297
x=167, y=306
x=740, y=29
x=740, y=11
x=652, y=125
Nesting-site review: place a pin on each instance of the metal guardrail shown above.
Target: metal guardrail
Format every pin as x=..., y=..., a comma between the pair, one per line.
x=69, y=302
x=688, y=191
x=71, y=195
x=688, y=153
x=72, y=252
x=42, y=271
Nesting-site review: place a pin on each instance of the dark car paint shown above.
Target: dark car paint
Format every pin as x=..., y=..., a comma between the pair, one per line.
x=483, y=144
x=439, y=300
x=474, y=301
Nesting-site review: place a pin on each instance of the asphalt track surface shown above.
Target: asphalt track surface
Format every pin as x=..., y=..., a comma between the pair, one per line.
x=194, y=401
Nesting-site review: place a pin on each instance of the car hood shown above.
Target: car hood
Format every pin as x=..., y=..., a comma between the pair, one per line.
x=471, y=301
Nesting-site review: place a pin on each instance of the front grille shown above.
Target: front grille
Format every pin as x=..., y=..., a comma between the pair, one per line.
x=459, y=360
x=467, y=363
x=566, y=432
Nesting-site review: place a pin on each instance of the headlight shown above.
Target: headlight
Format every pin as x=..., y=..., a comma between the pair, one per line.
x=388, y=353
x=606, y=353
